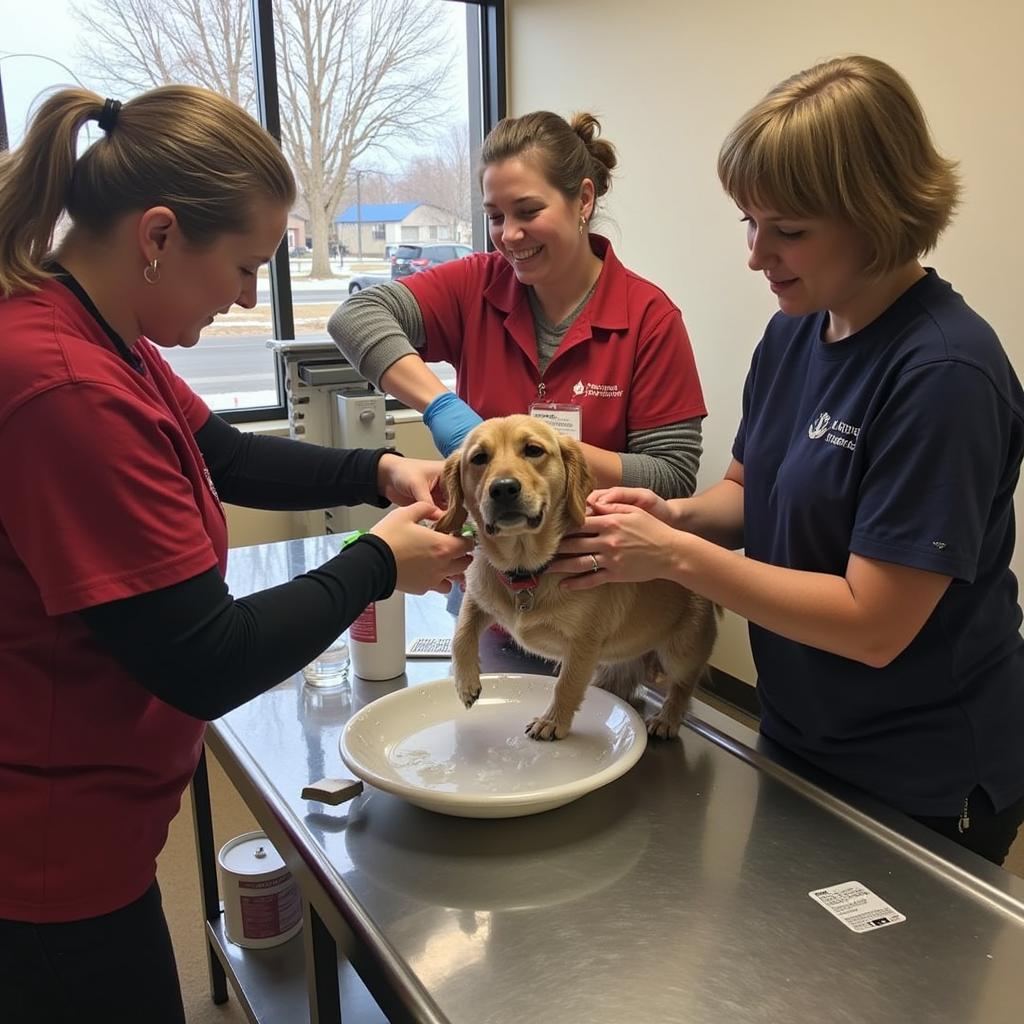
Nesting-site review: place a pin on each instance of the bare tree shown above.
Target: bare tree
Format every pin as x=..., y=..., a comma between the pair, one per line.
x=135, y=45
x=443, y=179
x=356, y=77
x=374, y=188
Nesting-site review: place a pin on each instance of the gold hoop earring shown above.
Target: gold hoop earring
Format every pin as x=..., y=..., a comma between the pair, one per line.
x=151, y=272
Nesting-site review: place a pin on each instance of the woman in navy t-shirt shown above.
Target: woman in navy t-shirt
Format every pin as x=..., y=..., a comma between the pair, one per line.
x=873, y=472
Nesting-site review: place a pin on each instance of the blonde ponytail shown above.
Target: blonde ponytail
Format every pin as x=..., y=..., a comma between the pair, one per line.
x=35, y=180
x=179, y=146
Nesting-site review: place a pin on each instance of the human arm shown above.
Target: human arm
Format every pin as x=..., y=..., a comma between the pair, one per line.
x=664, y=459
x=261, y=471
x=380, y=331
x=869, y=615
x=204, y=652
x=663, y=423
x=929, y=491
x=123, y=512
x=605, y=466
x=715, y=514
x=377, y=327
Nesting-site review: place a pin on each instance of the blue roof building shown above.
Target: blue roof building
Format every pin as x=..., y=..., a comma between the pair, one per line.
x=376, y=213
x=377, y=229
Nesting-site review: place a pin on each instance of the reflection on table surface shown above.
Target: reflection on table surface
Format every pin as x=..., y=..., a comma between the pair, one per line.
x=676, y=893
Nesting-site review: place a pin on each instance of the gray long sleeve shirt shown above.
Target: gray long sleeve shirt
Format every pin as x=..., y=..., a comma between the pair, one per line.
x=380, y=325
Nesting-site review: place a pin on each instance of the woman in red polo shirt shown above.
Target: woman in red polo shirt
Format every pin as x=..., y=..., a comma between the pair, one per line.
x=551, y=323
x=118, y=635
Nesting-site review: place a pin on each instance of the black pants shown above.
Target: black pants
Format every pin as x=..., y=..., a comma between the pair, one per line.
x=115, y=969
x=990, y=834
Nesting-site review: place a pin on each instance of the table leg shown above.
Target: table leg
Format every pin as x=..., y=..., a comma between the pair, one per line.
x=321, y=968
x=202, y=820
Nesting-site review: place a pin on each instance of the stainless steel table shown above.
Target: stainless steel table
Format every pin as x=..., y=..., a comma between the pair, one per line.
x=678, y=893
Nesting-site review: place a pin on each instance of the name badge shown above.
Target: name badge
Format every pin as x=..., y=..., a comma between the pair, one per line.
x=565, y=419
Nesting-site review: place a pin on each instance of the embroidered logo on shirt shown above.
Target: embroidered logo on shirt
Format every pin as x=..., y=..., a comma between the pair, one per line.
x=592, y=390
x=834, y=430
x=819, y=427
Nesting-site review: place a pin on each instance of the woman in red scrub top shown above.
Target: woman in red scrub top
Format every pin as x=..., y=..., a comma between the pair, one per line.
x=119, y=636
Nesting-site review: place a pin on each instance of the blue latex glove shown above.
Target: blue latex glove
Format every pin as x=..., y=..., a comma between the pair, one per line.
x=449, y=420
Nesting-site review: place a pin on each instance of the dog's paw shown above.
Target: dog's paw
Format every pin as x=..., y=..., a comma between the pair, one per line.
x=662, y=727
x=468, y=690
x=544, y=727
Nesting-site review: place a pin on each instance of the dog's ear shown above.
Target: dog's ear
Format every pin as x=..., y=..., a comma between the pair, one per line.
x=455, y=516
x=578, y=481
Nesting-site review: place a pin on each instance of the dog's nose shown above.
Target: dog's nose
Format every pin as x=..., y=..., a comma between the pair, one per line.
x=505, y=489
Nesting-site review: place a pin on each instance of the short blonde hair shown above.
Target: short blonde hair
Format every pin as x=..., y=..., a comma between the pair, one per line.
x=179, y=146
x=847, y=140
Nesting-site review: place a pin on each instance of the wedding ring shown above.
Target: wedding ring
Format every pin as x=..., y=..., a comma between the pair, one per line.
x=593, y=558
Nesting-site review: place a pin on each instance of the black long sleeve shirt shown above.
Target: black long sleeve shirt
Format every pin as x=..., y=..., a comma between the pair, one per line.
x=202, y=651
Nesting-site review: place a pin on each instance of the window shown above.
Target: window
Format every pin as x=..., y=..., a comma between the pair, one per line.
x=447, y=88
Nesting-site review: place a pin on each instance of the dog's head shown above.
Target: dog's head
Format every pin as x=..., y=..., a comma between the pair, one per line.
x=517, y=478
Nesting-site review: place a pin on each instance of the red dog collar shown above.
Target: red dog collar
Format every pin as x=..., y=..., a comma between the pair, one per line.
x=522, y=584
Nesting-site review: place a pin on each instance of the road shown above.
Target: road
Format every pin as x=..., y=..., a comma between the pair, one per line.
x=331, y=293
x=241, y=362
x=237, y=370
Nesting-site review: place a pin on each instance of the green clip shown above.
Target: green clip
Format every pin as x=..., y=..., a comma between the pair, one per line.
x=469, y=530
x=351, y=540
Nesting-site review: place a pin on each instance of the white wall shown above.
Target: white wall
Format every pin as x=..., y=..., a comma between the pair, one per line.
x=669, y=77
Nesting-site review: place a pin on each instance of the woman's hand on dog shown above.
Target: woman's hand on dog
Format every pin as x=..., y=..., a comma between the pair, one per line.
x=606, y=499
x=404, y=481
x=426, y=559
x=623, y=544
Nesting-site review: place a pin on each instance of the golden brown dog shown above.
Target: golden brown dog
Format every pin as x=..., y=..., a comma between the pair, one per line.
x=525, y=487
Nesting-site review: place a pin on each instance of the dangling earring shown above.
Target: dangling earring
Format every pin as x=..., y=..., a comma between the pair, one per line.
x=152, y=272
x=583, y=223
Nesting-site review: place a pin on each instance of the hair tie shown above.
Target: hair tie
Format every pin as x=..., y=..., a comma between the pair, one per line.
x=108, y=118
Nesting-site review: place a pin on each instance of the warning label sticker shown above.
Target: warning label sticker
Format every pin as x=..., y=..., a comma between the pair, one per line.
x=856, y=906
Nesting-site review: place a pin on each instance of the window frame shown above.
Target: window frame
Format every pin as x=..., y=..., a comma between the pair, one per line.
x=487, y=105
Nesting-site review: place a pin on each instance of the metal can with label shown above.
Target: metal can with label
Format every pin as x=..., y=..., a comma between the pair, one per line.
x=262, y=905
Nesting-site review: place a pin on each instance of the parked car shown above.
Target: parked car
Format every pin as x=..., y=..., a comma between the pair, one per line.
x=299, y=251
x=414, y=258
x=361, y=281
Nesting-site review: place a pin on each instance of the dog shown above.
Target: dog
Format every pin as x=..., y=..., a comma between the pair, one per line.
x=525, y=487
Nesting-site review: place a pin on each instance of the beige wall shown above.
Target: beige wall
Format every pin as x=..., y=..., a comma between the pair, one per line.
x=668, y=78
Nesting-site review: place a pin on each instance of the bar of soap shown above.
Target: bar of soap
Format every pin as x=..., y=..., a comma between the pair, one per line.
x=332, y=791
